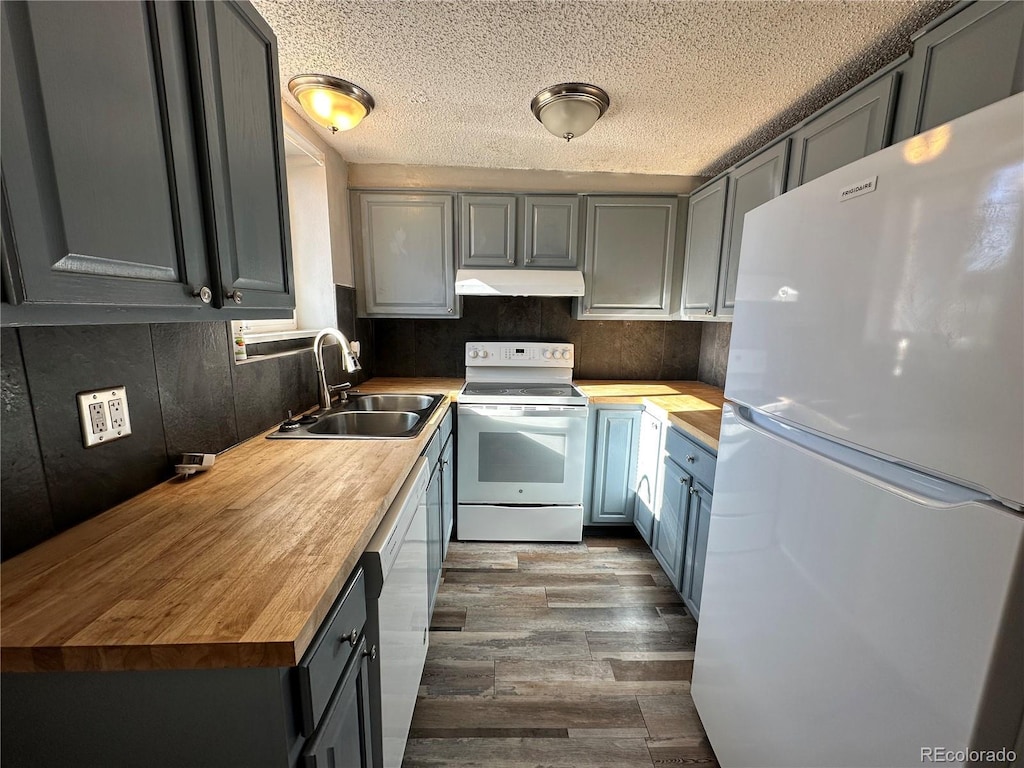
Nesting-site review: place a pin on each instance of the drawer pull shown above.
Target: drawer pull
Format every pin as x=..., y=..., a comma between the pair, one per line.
x=352, y=637
x=690, y=458
x=372, y=653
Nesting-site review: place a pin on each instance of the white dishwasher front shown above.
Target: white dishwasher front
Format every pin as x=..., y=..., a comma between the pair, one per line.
x=396, y=564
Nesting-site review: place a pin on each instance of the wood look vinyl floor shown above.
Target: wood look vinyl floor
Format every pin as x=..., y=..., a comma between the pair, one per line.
x=557, y=655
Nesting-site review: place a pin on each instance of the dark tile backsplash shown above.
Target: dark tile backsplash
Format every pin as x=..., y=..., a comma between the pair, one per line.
x=714, y=352
x=604, y=349
x=185, y=394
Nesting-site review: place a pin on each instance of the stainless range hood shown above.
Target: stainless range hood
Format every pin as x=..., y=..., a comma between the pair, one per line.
x=518, y=282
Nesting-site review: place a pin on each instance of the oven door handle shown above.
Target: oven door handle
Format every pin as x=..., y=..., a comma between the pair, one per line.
x=570, y=411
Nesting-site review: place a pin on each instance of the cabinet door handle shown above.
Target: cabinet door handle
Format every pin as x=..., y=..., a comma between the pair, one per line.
x=451, y=310
x=692, y=490
x=707, y=311
x=372, y=653
x=235, y=296
x=352, y=637
x=690, y=459
x=203, y=293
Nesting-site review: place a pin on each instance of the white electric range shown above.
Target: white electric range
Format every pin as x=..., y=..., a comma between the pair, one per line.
x=522, y=444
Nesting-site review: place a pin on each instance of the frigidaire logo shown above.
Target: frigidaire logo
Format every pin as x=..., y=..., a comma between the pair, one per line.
x=860, y=188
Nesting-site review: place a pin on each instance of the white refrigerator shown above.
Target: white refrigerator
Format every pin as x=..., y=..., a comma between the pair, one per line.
x=863, y=599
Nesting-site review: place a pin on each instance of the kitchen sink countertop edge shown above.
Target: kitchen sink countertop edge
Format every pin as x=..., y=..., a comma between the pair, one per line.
x=234, y=567
x=238, y=566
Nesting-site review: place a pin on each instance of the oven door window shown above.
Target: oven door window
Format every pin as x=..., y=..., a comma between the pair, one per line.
x=522, y=457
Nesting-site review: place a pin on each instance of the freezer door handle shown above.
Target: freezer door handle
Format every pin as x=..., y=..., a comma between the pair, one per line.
x=903, y=481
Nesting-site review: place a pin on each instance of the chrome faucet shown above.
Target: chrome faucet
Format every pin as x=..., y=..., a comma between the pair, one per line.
x=348, y=359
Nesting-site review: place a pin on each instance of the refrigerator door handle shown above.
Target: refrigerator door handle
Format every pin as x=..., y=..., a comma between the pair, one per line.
x=895, y=478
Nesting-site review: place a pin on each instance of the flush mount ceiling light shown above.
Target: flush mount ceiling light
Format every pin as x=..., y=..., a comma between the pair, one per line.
x=336, y=104
x=569, y=110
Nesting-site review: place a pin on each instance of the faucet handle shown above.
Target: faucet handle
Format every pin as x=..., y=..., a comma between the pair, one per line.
x=338, y=387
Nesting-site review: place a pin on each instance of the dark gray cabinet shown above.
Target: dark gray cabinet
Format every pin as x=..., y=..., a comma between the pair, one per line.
x=434, y=545
x=616, y=438
x=141, y=162
x=440, y=503
x=531, y=231
x=648, y=475
x=705, y=229
x=447, y=495
x=487, y=231
x=629, y=256
x=859, y=124
x=969, y=61
x=404, y=260
x=245, y=154
x=551, y=231
x=698, y=521
x=752, y=183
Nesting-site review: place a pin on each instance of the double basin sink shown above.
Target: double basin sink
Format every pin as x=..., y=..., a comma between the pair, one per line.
x=366, y=417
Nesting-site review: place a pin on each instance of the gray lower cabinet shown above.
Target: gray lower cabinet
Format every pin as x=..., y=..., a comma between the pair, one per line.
x=670, y=524
x=698, y=521
x=969, y=61
x=705, y=229
x=142, y=161
x=531, y=231
x=440, y=502
x=616, y=437
x=434, y=545
x=404, y=260
x=487, y=230
x=447, y=495
x=648, y=474
x=853, y=128
x=751, y=184
x=316, y=714
x=628, y=258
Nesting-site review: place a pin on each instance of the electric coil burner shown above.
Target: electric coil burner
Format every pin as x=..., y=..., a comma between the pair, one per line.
x=522, y=444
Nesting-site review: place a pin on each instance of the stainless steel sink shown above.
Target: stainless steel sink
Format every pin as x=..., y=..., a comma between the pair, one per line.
x=365, y=417
x=389, y=402
x=366, y=424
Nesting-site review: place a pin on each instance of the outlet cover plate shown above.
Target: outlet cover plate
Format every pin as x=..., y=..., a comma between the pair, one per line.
x=103, y=414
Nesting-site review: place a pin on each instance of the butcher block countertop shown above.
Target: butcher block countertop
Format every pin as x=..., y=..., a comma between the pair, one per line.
x=692, y=406
x=238, y=566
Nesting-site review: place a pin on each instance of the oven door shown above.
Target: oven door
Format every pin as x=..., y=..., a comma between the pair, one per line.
x=522, y=454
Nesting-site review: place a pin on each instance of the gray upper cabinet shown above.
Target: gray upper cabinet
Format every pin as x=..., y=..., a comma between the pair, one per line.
x=751, y=184
x=142, y=164
x=245, y=148
x=628, y=258
x=969, y=61
x=704, y=248
x=551, y=231
x=405, y=262
x=487, y=230
x=856, y=126
x=101, y=181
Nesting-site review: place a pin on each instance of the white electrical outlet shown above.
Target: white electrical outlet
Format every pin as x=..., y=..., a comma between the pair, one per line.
x=104, y=415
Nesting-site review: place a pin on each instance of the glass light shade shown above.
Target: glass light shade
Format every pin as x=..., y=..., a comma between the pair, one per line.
x=335, y=104
x=570, y=117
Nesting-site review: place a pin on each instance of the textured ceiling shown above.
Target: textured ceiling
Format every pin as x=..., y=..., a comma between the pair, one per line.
x=694, y=85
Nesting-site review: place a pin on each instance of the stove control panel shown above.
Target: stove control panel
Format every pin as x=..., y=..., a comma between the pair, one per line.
x=551, y=354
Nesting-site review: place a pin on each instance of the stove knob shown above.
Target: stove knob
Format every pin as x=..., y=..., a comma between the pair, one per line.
x=484, y=353
x=548, y=354
x=473, y=353
x=556, y=354
x=567, y=354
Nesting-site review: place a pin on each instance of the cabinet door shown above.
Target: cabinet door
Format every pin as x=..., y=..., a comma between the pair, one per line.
x=754, y=183
x=99, y=166
x=551, y=230
x=434, y=534
x=447, y=496
x=670, y=528
x=699, y=518
x=628, y=257
x=648, y=473
x=614, y=466
x=245, y=155
x=487, y=225
x=854, y=128
x=406, y=260
x=972, y=60
x=343, y=738
x=704, y=248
